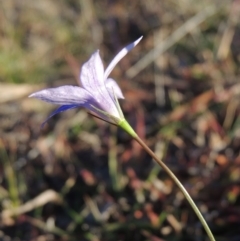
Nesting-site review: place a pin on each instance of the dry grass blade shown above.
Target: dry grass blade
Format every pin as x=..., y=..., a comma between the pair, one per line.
x=17, y=91
x=39, y=201
x=174, y=223
x=233, y=20
x=46, y=227
x=186, y=28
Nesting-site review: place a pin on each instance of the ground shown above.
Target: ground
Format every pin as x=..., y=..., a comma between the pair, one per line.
x=78, y=178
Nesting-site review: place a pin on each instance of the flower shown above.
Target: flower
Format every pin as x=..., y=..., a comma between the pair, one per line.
x=97, y=93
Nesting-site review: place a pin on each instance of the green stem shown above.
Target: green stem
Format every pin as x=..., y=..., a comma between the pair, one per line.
x=113, y=163
x=125, y=126
x=181, y=187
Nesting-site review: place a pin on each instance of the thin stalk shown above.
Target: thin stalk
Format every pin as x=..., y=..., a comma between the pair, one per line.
x=181, y=187
x=10, y=176
x=113, y=163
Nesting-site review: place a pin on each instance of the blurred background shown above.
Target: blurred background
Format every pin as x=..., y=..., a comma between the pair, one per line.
x=79, y=178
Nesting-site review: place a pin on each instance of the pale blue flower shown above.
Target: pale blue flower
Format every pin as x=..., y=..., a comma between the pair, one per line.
x=97, y=93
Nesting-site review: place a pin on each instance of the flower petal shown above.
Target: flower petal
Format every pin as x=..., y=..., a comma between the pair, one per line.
x=105, y=101
x=92, y=72
x=92, y=80
x=64, y=95
x=119, y=56
x=60, y=109
x=113, y=86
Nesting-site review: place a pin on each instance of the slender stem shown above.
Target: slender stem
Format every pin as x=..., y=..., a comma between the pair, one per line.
x=181, y=187
x=113, y=164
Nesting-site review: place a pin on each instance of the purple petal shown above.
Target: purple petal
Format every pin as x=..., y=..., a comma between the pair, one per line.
x=92, y=80
x=60, y=109
x=113, y=86
x=119, y=56
x=64, y=95
x=105, y=100
x=92, y=72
